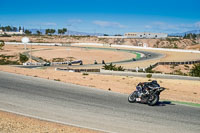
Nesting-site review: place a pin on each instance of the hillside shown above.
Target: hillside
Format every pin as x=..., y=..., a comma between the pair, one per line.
x=158, y=43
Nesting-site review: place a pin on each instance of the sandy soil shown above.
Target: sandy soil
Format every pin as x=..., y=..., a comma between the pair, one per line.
x=173, y=69
x=197, y=47
x=12, y=123
x=86, y=55
x=161, y=43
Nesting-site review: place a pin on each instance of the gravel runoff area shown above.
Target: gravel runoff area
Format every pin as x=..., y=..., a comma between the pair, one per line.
x=12, y=123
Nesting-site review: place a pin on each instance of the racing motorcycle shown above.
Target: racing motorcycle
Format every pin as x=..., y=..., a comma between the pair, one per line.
x=146, y=92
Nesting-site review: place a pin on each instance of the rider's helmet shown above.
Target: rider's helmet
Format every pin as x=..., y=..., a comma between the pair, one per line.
x=154, y=82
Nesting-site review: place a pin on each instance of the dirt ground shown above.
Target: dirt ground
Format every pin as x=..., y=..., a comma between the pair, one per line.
x=184, y=69
x=86, y=55
x=160, y=43
x=12, y=123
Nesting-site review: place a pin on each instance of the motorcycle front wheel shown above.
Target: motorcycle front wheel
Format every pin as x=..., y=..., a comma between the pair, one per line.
x=132, y=97
x=153, y=99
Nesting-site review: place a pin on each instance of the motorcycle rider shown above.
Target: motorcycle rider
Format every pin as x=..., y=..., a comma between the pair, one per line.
x=140, y=89
x=143, y=87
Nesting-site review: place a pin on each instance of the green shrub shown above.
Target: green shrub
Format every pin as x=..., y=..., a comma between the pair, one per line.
x=149, y=69
x=1, y=44
x=23, y=58
x=113, y=67
x=195, y=71
x=4, y=60
x=8, y=62
x=149, y=75
x=85, y=74
x=178, y=72
x=57, y=79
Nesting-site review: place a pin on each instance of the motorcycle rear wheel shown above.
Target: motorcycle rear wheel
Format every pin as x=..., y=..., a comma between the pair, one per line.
x=153, y=99
x=132, y=97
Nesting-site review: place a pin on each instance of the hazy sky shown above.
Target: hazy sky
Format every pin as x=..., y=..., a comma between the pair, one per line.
x=103, y=16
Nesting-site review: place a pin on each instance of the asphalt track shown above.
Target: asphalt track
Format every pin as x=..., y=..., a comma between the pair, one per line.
x=92, y=108
x=146, y=56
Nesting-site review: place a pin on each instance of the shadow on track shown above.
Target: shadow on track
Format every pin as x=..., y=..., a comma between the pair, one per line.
x=164, y=103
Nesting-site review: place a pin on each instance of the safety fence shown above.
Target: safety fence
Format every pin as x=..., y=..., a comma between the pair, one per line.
x=177, y=63
x=78, y=70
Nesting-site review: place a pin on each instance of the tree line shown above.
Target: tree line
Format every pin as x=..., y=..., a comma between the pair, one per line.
x=191, y=36
x=11, y=28
x=28, y=32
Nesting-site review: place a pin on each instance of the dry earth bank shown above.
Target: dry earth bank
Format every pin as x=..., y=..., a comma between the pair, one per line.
x=161, y=43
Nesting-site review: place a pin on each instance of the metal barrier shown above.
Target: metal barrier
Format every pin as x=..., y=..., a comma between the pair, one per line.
x=78, y=70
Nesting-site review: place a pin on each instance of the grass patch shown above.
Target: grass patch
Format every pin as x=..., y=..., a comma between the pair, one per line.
x=85, y=74
x=6, y=56
x=149, y=75
x=57, y=79
x=8, y=62
x=186, y=103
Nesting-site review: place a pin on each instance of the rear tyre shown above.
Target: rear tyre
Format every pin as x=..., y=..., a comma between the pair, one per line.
x=153, y=99
x=132, y=97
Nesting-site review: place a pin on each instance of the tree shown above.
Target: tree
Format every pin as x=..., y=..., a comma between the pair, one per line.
x=20, y=28
x=28, y=32
x=118, y=35
x=50, y=31
x=62, y=31
x=190, y=36
x=38, y=32
x=14, y=29
x=195, y=71
x=8, y=28
x=47, y=31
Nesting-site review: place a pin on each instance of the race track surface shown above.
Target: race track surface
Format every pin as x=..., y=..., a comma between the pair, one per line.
x=92, y=108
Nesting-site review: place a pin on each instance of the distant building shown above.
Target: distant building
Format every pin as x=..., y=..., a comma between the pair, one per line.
x=11, y=32
x=145, y=35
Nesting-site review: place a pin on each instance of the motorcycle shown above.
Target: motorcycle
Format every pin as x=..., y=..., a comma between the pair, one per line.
x=146, y=92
